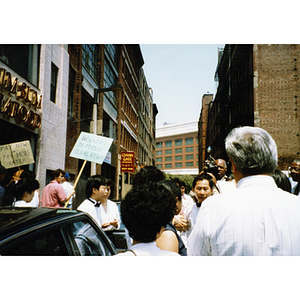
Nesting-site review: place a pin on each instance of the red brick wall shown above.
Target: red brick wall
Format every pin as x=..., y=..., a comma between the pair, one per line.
x=277, y=97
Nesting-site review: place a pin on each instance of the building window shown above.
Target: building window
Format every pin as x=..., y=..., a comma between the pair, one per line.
x=168, y=144
x=158, y=145
x=168, y=152
x=71, y=92
x=189, y=141
x=168, y=158
x=54, y=74
x=168, y=166
x=109, y=127
x=89, y=59
x=159, y=166
x=178, y=143
x=189, y=164
x=110, y=79
x=189, y=156
x=189, y=149
x=178, y=165
x=23, y=59
x=159, y=159
x=159, y=152
x=112, y=51
x=178, y=157
x=179, y=150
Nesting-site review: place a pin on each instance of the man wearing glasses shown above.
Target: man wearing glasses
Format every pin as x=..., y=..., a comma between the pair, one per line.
x=295, y=174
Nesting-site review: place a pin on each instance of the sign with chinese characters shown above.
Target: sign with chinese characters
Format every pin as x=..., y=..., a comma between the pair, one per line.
x=91, y=147
x=16, y=154
x=127, y=161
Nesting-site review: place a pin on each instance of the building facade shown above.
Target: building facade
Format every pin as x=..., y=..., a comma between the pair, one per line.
x=39, y=71
x=177, y=148
x=147, y=113
x=49, y=94
x=258, y=86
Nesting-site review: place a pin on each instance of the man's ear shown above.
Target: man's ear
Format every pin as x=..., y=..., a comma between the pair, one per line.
x=233, y=167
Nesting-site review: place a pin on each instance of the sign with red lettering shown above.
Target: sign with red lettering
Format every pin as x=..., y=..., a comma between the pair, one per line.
x=127, y=161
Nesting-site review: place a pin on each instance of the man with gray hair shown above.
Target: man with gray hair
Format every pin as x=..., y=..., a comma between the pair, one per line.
x=257, y=218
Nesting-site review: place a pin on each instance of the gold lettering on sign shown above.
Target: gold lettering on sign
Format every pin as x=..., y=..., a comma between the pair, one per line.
x=23, y=92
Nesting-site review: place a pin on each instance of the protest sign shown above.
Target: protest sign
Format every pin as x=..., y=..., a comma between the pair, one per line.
x=16, y=154
x=91, y=147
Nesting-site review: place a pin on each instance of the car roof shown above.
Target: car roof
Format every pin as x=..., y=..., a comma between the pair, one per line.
x=14, y=219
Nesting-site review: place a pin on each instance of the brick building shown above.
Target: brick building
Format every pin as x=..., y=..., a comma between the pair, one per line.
x=177, y=148
x=258, y=86
x=202, y=129
x=62, y=79
x=106, y=67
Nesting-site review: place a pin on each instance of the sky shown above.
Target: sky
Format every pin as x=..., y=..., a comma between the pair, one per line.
x=179, y=75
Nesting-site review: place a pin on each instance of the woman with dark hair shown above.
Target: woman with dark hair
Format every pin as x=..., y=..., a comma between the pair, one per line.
x=20, y=193
x=282, y=180
x=170, y=240
x=146, y=210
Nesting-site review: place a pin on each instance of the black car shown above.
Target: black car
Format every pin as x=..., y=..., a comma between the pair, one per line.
x=50, y=231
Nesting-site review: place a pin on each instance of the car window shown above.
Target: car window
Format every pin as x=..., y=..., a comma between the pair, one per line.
x=43, y=243
x=88, y=240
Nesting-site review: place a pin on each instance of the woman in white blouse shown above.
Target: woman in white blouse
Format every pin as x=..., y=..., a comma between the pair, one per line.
x=20, y=193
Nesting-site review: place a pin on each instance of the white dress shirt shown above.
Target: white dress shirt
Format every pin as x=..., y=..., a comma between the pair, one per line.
x=99, y=214
x=256, y=219
x=146, y=249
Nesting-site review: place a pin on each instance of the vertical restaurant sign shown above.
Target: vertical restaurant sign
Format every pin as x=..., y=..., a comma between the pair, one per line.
x=127, y=161
x=16, y=154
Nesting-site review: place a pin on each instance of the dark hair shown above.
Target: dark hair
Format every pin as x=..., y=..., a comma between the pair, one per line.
x=56, y=173
x=16, y=190
x=27, y=174
x=282, y=181
x=95, y=181
x=2, y=170
x=202, y=177
x=148, y=173
x=173, y=188
x=146, y=209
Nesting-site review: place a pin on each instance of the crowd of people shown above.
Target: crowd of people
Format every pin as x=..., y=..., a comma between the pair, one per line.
x=252, y=210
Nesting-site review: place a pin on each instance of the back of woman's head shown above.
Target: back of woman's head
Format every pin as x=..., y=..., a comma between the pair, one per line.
x=252, y=150
x=17, y=189
x=148, y=173
x=282, y=181
x=172, y=187
x=146, y=209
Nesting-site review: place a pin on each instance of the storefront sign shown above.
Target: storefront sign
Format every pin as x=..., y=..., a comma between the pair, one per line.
x=127, y=161
x=16, y=154
x=91, y=147
x=18, y=100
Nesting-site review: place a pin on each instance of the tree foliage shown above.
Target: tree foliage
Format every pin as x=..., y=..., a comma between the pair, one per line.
x=187, y=179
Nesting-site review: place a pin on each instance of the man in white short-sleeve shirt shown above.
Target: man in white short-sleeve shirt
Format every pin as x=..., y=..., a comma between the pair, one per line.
x=257, y=218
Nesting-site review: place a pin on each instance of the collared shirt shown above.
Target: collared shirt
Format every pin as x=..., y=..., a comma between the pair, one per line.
x=99, y=214
x=53, y=195
x=147, y=249
x=255, y=219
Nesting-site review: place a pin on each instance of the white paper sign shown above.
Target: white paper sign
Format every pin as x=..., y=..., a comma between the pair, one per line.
x=91, y=147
